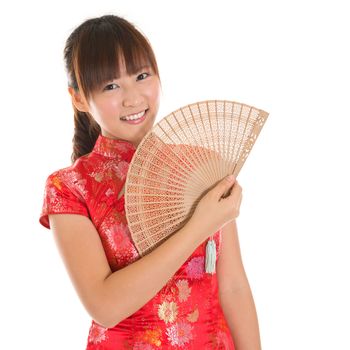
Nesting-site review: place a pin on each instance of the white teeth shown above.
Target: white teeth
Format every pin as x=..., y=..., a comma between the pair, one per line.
x=134, y=116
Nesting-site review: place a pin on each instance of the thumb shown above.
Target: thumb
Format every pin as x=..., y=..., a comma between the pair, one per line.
x=224, y=185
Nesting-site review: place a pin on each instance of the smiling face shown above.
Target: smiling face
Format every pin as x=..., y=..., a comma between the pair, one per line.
x=112, y=73
x=135, y=95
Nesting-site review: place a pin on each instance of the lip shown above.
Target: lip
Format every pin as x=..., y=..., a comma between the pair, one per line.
x=138, y=121
x=128, y=115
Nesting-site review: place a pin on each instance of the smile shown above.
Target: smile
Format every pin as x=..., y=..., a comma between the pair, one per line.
x=134, y=116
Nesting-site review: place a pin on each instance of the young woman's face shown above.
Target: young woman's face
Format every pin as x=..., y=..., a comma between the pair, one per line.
x=130, y=95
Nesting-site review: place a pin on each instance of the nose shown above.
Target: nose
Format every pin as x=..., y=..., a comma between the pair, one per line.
x=131, y=97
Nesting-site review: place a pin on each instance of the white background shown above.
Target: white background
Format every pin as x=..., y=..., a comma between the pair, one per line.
x=288, y=58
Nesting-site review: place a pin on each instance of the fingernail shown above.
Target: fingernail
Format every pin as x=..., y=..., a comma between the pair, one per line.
x=230, y=178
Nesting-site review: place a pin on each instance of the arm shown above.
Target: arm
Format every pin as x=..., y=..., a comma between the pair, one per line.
x=111, y=297
x=235, y=295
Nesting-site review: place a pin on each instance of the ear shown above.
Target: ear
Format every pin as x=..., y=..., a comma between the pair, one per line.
x=78, y=101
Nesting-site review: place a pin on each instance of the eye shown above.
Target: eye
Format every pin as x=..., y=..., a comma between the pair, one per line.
x=110, y=86
x=143, y=76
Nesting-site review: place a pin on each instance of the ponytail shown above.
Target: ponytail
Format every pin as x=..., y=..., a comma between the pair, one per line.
x=86, y=132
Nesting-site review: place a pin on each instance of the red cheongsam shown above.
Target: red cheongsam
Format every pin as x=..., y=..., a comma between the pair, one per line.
x=185, y=313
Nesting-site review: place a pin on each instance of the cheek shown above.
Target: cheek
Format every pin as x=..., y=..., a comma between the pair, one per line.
x=154, y=93
x=107, y=107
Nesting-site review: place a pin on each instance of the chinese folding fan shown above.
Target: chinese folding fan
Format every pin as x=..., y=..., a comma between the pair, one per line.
x=180, y=159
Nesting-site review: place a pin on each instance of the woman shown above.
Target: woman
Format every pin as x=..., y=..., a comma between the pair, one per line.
x=164, y=300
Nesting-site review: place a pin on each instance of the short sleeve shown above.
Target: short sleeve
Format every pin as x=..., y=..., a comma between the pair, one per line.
x=59, y=199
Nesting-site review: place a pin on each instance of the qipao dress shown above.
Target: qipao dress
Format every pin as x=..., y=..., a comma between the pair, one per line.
x=185, y=313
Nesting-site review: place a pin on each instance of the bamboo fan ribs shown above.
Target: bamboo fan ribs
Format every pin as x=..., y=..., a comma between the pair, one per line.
x=180, y=159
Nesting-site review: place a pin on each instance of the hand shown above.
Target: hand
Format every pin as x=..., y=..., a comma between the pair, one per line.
x=214, y=211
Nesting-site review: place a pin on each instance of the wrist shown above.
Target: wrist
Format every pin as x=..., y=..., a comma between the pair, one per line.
x=198, y=232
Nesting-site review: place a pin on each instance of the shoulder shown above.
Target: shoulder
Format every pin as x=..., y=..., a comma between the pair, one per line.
x=71, y=181
x=74, y=173
x=66, y=191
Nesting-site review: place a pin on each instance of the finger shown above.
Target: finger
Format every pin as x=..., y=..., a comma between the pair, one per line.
x=239, y=202
x=236, y=193
x=223, y=187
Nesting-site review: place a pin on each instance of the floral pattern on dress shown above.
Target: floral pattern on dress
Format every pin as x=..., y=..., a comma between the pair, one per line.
x=193, y=316
x=180, y=334
x=118, y=243
x=185, y=313
x=120, y=205
x=142, y=346
x=222, y=340
x=97, y=334
x=184, y=290
x=110, y=170
x=73, y=179
x=122, y=169
x=195, y=267
x=153, y=336
x=167, y=311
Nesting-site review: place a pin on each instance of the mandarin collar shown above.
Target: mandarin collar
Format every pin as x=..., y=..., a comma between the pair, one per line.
x=114, y=148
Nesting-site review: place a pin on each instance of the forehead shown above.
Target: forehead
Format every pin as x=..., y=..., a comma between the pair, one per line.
x=130, y=65
x=123, y=70
x=109, y=63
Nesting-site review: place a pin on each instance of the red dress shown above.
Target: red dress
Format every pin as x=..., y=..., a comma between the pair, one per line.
x=185, y=313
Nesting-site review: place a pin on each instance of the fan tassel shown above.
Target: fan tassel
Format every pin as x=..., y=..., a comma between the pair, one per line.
x=210, y=256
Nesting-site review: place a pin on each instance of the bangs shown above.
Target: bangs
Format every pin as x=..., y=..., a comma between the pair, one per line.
x=103, y=49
